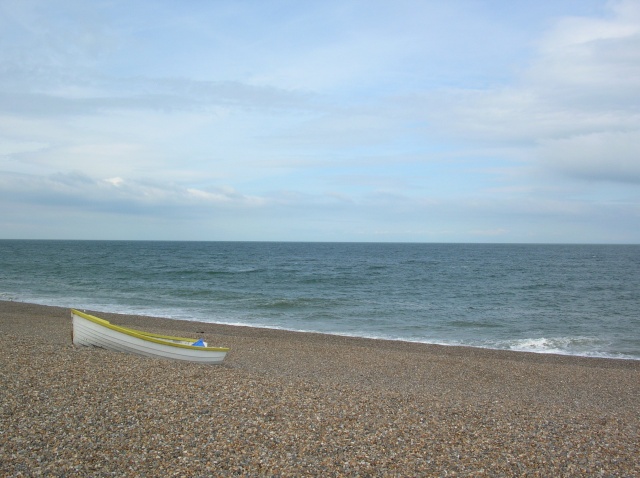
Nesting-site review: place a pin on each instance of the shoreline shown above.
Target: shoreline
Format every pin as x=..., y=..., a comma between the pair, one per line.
x=301, y=404
x=140, y=317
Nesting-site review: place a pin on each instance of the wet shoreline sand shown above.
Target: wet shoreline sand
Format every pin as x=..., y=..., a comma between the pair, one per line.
x=299, y=404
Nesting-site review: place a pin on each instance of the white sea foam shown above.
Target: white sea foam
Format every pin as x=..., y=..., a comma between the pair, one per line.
x=581, y=346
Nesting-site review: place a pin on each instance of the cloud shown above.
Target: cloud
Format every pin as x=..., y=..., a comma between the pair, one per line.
x=83, y=61
x=591, y=64
x=77, y=191
x=168, y=96
x=607, y=156
x=573, y=109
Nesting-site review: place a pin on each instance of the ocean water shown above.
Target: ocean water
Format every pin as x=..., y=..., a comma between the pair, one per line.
x=567, y=299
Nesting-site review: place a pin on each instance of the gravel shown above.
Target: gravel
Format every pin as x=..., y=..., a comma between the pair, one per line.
x=294, y=404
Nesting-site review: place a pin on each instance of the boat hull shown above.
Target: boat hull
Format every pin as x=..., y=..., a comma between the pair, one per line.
x=89, y=330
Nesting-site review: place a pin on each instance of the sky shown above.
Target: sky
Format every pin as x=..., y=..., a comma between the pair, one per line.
x=504, y=121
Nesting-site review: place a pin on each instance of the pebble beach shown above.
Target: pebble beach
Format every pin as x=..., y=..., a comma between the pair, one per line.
x=299, y=404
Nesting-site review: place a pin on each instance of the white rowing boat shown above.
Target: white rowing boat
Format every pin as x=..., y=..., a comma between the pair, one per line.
x=93, y=331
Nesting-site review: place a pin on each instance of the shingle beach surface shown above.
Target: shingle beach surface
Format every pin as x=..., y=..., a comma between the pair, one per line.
x=293, y=404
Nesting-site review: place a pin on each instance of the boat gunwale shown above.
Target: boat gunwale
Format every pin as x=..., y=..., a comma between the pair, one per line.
x=148, y=336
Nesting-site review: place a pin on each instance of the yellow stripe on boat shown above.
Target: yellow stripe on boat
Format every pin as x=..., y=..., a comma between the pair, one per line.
x=156, y=338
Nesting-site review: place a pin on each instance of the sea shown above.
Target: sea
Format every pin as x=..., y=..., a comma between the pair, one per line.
x=564, y=299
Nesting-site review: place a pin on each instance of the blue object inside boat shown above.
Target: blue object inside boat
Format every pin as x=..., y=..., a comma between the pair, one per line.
x=199, y=343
